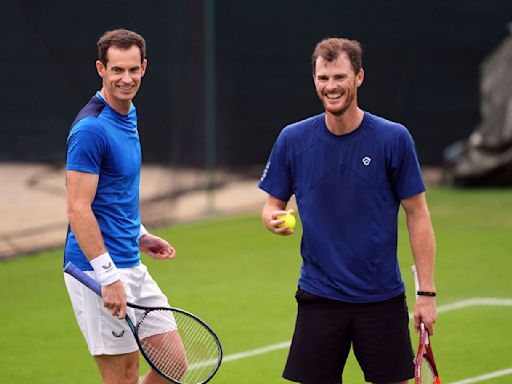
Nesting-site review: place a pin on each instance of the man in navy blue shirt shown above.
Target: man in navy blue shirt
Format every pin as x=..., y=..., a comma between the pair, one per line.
x=105, y=235
x=350, y=171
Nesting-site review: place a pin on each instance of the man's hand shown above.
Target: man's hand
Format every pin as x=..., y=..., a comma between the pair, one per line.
x=156, y=247
x=425, y=311
x=114, y=298
x=272, y=209
x=274, y=222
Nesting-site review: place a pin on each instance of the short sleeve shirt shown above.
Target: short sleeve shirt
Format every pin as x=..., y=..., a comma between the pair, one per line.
x=106, y=143
x=348, y=190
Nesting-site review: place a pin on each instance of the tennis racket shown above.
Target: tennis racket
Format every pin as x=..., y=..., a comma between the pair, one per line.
x=425, y=370
x=175, y=343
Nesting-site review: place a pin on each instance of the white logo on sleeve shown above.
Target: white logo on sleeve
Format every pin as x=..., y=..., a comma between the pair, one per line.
x=265, y=171
x=366, y=161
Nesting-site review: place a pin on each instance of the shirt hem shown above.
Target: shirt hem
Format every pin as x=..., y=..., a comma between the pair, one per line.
x=353, y=299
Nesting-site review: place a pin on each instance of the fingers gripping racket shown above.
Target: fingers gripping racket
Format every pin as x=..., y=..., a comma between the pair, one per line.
x=175, y=343
x=425, y=370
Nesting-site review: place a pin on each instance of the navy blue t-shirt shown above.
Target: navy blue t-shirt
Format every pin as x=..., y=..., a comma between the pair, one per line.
x=105, y=142
x=348, y=190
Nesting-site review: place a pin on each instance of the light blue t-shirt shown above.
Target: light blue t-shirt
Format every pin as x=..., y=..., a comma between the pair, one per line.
x=348, y=190
x=105, y=142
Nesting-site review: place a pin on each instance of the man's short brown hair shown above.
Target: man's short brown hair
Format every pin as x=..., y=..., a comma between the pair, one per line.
x=120, y=38
x=330, y=49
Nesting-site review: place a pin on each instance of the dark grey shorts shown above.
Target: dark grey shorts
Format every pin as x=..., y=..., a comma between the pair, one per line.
x=326, y=329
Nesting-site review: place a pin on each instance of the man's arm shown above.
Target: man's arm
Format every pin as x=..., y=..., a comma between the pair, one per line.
x=81, y=189
x=422, y=240
x=273, y=208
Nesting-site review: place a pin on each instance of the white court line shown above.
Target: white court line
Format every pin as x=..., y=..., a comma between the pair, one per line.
x=487, y=376
x=475, y=301
x=255, y=352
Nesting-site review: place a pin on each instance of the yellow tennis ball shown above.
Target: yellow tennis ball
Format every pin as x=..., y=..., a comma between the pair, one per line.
x=289, y=220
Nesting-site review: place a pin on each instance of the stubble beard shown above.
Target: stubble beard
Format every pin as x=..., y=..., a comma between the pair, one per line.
x=340, y=111
x=337, y=112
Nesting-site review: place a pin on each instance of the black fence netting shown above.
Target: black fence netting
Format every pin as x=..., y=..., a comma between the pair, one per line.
x=421, y=66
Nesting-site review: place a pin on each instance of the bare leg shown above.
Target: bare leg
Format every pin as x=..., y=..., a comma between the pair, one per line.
x=119, y=369
x=152, y=377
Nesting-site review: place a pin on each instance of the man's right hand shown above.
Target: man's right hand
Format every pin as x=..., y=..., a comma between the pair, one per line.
x=272, y=209
x=276, y=220
x=114, y=298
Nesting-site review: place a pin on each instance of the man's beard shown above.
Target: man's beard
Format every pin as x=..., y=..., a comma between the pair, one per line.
x=337, y=112
x=341, y=110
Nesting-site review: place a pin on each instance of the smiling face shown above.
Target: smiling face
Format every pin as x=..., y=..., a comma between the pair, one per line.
x=121, y=76
x=336, y=84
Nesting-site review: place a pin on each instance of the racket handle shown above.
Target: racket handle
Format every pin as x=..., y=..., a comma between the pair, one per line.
x=82, y=277
x=416, y=282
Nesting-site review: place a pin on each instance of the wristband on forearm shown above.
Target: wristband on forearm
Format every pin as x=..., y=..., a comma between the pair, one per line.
x=426, y=293
x=105, y=269
x=142, y=231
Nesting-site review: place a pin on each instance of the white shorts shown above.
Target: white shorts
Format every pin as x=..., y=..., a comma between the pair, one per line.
x=106, y=334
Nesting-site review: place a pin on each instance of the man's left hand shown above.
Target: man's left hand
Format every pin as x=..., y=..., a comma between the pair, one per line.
x=156, y=247
x=425, y=311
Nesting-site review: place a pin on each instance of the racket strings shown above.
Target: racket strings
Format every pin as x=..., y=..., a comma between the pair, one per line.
x=179, y=346
x=427, y=373
x=168, y=356
x=201, y=348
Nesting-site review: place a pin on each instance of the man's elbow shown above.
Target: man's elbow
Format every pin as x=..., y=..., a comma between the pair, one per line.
x=77, y=211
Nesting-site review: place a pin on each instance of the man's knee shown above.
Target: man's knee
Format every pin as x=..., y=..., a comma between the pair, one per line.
x=119, y=369
x=132, y=372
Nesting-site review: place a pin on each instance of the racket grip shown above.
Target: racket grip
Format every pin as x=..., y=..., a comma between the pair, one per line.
x=416, y=281
x=82, y=277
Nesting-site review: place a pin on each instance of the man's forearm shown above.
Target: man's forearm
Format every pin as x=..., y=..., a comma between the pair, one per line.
x=86, y=230
x=422, y=240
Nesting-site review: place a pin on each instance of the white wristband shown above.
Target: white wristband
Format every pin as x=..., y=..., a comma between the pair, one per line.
x=105, y=269
x=142, y=231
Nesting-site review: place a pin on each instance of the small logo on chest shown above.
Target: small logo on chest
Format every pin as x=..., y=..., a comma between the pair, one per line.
x=366, y=161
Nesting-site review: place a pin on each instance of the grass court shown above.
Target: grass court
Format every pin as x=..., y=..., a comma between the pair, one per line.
x=241, y=280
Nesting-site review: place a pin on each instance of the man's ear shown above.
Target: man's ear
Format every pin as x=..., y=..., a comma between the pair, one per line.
x=100, y=68
x=144, y=65
x=360, y=77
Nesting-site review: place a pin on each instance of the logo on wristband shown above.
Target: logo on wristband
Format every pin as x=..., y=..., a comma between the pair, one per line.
x=108, y=266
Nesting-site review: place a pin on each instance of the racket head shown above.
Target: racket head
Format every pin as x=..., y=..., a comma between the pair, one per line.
x=425, y=370
x=178, y=345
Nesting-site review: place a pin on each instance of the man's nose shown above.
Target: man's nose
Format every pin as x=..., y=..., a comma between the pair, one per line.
x=126, y=77
x=331, y=84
